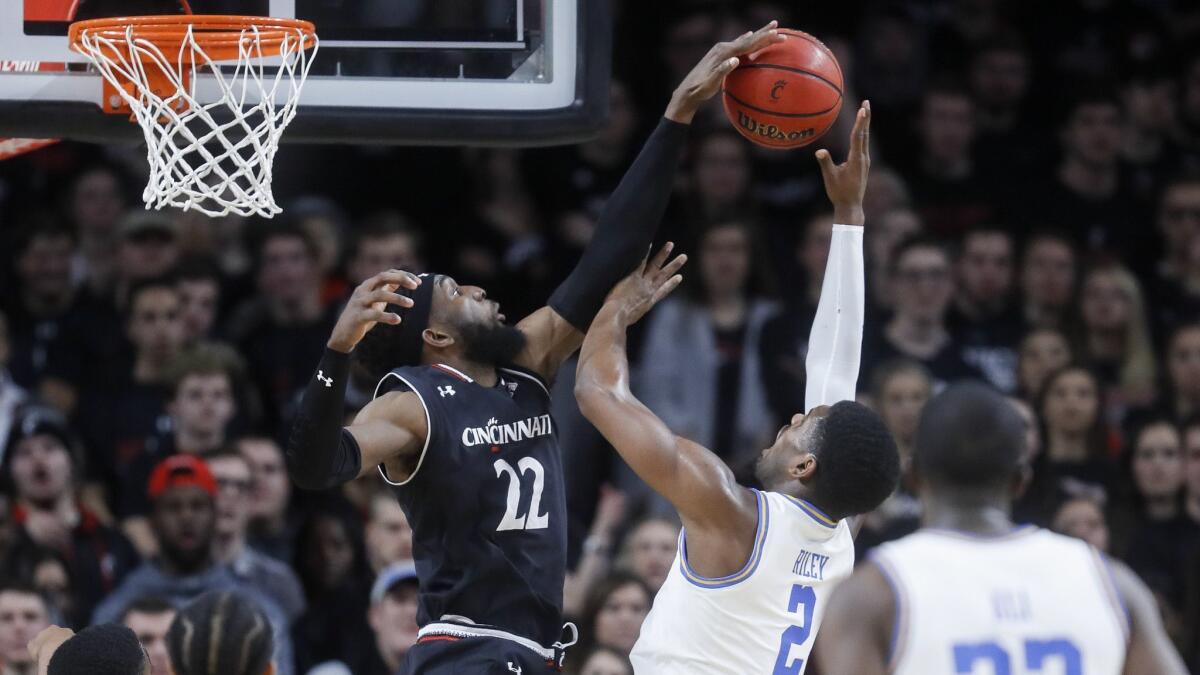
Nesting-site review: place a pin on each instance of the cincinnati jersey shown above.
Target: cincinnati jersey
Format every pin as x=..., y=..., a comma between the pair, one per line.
x=486, y=501
x=1027, y=603
x=764, y=618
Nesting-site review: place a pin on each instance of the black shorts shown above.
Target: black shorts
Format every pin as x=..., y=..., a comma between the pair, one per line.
x=449, y=655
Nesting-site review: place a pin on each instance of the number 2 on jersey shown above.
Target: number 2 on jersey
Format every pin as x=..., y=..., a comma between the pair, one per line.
x=531, y=520
x=803, y=599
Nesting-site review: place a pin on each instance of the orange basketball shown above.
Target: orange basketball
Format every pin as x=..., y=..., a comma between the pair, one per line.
x=786, y=95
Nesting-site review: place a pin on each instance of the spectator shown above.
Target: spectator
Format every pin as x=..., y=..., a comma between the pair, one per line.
x=109, y=649
x=23, y=614
x=199, y=283
x=784, y=340
x=594, y=564
x=1147, y=145
x=1191, y=447
x=885, y=233
x=1048, y=278
x=1090, y=192
x=1116, y=340
x=603, y=661
x=393, y=621
x=335, y=576
x=950, y=193
x=650, y=549
x=1181, y=396
x=983, y=317
x=1163, y=537
x=251, y=568
x=921, y=276
x=222, y=632
x=1000, y=75
x=150, y=618
x=886, y=192
x=43, y=465
x=47, y=570
x=148, y=248
x=614, y=613
x=12, y=395
x=701, y=349
x=1175, y=282
x=1074, y=442
x=719, y=180
x=272, y=527
x=285, y=327
x=200, y=408
x=96, y=200
x=385, y=241
x=1042, y=352
x=182, y=490
x=1081, y=515
x=388, y=535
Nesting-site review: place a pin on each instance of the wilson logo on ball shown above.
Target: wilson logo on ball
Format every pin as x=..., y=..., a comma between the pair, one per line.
x=770, y=131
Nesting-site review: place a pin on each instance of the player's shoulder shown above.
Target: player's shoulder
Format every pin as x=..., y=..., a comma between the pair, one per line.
x=521, y=373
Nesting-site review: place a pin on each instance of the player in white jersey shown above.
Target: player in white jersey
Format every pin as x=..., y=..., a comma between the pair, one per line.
x=971, y=594
x=753, y=569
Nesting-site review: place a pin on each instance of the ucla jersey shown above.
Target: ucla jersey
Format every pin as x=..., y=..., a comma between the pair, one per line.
x=1028, y=603
x=486, y=502
x=764, y=618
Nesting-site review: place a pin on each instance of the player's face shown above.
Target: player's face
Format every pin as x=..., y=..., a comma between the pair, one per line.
x=183, y=520
x=151, y=631
x=794, y=438
x=464, y=305
x=41, y=468
x=1158, y=462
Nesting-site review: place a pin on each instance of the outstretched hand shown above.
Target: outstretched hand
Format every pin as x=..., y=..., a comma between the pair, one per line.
x=704, y=81
x=650, y=282
x=846, y=183
x=367, y=307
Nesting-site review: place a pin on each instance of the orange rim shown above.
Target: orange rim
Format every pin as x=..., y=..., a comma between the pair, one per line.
x=218, y=35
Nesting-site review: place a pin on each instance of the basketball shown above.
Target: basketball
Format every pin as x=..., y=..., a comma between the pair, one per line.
x=786, y=95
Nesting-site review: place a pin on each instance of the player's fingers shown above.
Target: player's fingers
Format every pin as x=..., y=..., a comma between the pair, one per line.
x=666, y=289
x=386, y=296
x=661, y=257
x=398, y=277
x=672, y=267
x=725, y=67
x=825, y=160
x=756, y=40
x=859, y=134
x=379, y=316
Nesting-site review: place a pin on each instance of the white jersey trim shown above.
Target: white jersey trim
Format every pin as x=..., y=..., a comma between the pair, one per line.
x=428, y=431
x=760, y=538
x=1104, y=569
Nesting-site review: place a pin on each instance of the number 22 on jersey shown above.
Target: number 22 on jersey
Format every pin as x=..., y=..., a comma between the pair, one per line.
x=532, y=520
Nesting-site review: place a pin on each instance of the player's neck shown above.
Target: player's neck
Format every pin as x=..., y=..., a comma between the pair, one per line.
x=967, y=513
x=483, y=374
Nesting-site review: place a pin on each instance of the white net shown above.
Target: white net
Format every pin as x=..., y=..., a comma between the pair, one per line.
x=216, y=156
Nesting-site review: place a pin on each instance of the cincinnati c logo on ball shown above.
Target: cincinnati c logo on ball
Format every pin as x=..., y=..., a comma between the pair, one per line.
x=779, y=84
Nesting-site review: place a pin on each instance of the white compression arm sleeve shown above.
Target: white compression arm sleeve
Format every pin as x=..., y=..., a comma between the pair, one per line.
x=835, y=344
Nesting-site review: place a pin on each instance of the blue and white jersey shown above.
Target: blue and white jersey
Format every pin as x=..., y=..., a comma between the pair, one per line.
x=764, y=618
x=1027, y=603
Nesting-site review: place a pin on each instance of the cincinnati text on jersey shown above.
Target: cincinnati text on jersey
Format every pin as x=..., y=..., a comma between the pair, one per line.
x=499, y=434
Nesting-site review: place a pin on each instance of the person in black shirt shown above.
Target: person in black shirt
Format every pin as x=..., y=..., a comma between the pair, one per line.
x=923, y=280
x=463, y=409
x=984, y=318
x=1049, y=276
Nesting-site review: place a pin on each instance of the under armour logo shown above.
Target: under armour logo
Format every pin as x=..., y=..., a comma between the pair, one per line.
x=327, y=380
x=446, y=390
x=513, y=668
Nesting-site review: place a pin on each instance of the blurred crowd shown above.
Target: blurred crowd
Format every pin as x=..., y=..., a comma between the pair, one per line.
x=1033, y=220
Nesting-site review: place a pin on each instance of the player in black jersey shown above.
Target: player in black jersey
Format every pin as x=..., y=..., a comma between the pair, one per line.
x=460, y=425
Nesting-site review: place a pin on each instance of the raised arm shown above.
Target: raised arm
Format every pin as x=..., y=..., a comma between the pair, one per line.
x=692, y=478
x=835, y=344
x=321, y=453
x=631, y=215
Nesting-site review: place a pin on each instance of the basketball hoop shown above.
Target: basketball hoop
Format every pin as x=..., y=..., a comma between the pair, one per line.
x=214, y=157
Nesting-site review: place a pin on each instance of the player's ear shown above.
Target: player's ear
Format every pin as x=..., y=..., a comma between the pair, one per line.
x=802, y=466
x=436, y=338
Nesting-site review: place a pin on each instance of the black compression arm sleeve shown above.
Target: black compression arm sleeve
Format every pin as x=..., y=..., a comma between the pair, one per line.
x=320, y=453
x=626, y=228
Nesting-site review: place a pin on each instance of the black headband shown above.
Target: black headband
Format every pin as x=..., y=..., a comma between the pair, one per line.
x=414, y=320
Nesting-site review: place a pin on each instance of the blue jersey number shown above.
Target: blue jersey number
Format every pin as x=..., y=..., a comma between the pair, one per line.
x=803, y=599
x=1038, y=654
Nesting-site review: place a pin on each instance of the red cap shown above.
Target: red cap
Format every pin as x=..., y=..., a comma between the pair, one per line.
x=181, y=471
